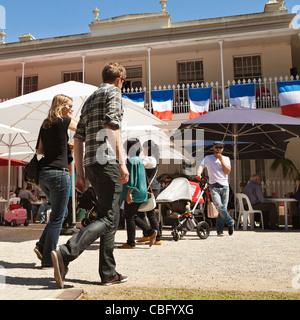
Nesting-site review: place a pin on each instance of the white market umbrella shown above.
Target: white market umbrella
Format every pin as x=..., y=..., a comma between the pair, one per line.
x=8, y=135
x=28, y=111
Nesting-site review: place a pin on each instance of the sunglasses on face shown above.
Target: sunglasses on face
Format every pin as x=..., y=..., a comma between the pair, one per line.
x=67, y=104
x=218, y=147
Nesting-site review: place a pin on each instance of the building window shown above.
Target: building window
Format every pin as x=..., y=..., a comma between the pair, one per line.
x=30, y=85
x=247, y=67
x=73, y=76
x=134, y=78
x=189, y=72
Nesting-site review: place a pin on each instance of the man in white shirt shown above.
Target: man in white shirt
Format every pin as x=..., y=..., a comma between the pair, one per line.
x=218, y=168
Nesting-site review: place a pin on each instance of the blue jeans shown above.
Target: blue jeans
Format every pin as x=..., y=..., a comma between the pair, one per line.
x=55, y=184
x=220, y=197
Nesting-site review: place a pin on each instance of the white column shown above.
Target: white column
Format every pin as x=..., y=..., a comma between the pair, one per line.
x=222, y=71
x=23, y=77
x=83, y=68
x=149, y=77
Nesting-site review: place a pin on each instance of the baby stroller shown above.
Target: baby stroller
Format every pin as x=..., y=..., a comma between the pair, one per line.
x=173, y=210
x=88, y=201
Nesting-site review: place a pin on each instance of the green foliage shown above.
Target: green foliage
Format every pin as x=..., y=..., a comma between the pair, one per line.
x=289, y=170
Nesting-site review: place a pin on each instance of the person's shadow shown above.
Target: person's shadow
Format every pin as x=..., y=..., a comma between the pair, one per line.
x=34, y=283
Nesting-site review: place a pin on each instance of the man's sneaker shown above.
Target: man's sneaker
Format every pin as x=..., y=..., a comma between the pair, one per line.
x=230, y=229
x=38, y=253
x=116, y=280
x=60, y=269
x=220, y=233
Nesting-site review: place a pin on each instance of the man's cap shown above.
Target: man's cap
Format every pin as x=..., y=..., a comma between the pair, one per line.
x=219, y=142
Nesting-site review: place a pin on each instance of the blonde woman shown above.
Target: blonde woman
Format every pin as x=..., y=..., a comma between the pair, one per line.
x=54, y=178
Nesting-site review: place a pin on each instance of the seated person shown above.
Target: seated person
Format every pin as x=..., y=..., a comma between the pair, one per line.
x=167, y=182
x=29, y=197
x=297, y=197
x=45, y=206
x=255, y=194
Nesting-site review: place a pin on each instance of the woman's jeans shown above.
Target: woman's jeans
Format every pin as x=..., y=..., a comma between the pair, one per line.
x=220, y=196
x=55, y=184
x=104, y=180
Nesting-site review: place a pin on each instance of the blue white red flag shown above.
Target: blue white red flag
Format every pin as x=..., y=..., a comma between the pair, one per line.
x=289, y=96
x=162, y=103
x=199, y=101
x=243, y=95
x=137, y=97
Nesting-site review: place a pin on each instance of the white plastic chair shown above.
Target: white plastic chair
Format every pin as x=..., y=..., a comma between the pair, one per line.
x=247, y=213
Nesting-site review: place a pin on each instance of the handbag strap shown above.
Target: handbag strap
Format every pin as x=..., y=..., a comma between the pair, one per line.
x=208, y=198
x=152, y=178
x=148, y=182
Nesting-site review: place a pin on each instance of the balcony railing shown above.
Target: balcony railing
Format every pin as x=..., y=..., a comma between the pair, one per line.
x=266, y=91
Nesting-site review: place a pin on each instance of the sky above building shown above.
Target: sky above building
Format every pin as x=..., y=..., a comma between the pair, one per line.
x=46, y=19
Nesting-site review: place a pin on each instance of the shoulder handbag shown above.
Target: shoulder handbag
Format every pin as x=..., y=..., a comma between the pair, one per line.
x=32, y=169
x=150, y=204
x=212, y=211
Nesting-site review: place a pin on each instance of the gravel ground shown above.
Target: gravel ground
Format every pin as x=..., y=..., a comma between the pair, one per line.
x=247, y=261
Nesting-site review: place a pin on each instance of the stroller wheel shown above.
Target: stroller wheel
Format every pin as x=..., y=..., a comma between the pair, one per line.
x=182, y=233
x=203, y=230
x=175, y=235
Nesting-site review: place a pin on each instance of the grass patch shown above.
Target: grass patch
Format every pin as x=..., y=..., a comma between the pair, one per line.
x=137, y=293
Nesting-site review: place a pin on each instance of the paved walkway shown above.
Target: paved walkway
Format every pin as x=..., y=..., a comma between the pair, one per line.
x=248, y=260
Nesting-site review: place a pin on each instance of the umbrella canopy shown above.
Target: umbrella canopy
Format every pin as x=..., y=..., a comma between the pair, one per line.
x=4, y=162
x=27, y=112
x=248, y=125
x=245, y=124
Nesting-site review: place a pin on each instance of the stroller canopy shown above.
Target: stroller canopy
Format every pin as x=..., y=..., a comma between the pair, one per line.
x=179, y=189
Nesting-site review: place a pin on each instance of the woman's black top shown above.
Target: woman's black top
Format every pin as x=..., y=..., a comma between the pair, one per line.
x=55, y=144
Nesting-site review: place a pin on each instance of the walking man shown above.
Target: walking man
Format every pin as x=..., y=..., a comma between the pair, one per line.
x=105, y=168
x=218, y=168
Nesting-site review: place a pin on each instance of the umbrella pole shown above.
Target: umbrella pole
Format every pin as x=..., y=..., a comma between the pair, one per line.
x=235, y=166
x=9, y=169
x=73, y=194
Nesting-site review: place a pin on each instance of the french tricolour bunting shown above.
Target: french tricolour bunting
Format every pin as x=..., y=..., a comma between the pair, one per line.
x=137, y=97
x=162, y=103
x=199, y=101
x=243, y=95
x=289, y=96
